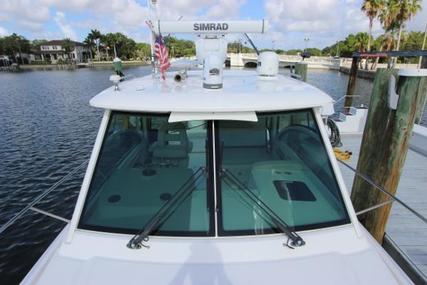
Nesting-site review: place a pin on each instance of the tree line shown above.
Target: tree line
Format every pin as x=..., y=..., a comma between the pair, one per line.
x=362, y=42
x=358, y=42
x=393, y=16
x=100, y=47
x=14, y=45
x=105, y=46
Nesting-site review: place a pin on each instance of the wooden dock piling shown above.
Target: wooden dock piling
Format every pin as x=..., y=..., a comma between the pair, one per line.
x=385, y=144
x=351, y=85
x=301, y=70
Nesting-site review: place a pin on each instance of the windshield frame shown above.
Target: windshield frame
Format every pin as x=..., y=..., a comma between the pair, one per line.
x=213, y=187
x=274, y=230
x=209, y=186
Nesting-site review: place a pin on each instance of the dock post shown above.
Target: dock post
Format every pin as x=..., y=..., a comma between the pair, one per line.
x=422, y=100
x=301, y=69
x=385, y=143
x=351, y=85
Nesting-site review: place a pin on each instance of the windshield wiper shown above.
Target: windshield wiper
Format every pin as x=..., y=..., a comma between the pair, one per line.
x=294, y=240
x=166, y=210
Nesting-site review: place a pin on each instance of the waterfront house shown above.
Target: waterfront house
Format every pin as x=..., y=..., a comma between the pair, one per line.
x=24, y=58
x=5, y=61
x=54, y=51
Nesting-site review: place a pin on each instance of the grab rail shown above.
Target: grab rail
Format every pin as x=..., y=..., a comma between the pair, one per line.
x=30, y=206
x=345, y=96
x=393, y=198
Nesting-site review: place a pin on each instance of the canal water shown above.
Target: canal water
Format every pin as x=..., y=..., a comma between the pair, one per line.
x=47, y=129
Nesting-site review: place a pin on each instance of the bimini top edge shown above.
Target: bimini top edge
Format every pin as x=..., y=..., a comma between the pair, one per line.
x=244, y=91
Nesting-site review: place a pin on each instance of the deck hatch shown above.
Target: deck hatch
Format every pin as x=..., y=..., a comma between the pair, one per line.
x=293, y=190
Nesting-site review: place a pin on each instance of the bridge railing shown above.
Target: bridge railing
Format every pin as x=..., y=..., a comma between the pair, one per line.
x=284, y=58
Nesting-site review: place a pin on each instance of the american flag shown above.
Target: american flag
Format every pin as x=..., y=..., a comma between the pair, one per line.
x=161, y=52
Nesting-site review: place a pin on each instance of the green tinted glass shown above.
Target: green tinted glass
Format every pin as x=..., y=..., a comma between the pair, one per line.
x=281, y=161
x=143, y=163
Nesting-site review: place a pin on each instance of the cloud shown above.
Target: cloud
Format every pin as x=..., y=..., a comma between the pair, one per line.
x=225, y=9
x=63, y=25
x=303, y=15
x=323, y=21
x=419, y=21
x=188, y=9
x=3, y=32
x=27, y=14
x=130, y=15
x=356, y=21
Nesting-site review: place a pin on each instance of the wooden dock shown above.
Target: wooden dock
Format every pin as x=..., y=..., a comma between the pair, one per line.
x=404, y=228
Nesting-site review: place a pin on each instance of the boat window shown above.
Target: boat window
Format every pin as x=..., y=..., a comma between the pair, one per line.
x=143, y=162
x=282, y=161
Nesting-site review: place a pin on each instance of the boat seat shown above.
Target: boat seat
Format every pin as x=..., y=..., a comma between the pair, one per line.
x=172, y=144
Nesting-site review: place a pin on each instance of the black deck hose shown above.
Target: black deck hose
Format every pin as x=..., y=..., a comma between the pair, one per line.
x=334, y=136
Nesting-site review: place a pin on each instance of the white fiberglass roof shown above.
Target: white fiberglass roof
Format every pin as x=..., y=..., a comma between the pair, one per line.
x=243, y=91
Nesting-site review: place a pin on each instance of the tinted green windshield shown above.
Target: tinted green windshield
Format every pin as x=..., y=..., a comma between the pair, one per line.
x=143, y=162
x=280, y=159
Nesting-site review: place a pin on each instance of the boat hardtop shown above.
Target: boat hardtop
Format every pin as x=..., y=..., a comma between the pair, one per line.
x=244, y=90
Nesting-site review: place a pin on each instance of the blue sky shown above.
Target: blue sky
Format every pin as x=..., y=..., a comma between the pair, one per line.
x=322, y=21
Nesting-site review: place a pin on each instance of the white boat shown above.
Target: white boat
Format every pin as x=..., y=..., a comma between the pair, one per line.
x=225, y=177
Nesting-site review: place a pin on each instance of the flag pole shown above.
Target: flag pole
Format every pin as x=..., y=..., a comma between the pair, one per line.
x=151, y=4
x=424, y=43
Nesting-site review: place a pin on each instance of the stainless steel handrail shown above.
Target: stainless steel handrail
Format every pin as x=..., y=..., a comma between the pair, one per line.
x=56, y=217
x=394, y=198
x=341, y=98
x=30, y=206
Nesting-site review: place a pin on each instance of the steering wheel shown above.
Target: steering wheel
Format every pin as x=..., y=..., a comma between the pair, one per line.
x=301, y=129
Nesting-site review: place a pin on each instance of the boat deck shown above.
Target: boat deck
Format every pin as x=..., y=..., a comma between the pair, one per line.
x=404, y=228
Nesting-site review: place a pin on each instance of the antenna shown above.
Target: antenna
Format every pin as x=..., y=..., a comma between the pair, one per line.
x=252, y=43
x=211, y=45
x=210, y=27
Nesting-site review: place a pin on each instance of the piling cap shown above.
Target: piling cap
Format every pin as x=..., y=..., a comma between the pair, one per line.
x=411, y=72
x=117, y=64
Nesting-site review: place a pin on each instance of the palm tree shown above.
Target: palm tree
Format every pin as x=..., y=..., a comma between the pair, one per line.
x=407, y=9
x=89, y=44
x=95, y=36
x=371, y=8
x=68, y=46
x=384, y=42
x=361, y=43
x=388, y=18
